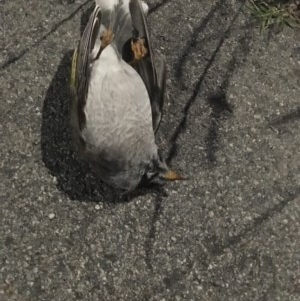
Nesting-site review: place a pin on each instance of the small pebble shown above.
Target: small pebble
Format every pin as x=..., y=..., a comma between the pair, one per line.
x=51, y=215
x=97, y=207
x=257, y=116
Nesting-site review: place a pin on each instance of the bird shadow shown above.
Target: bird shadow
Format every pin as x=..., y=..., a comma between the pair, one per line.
x=73, y=176
x=57, y=153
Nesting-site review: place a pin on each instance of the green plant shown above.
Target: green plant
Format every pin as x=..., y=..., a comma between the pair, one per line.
x=271, y=13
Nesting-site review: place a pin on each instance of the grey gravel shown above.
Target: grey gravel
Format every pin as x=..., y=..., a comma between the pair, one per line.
x=231, y=125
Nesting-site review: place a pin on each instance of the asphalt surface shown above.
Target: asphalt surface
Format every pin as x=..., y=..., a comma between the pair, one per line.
x=231, y=124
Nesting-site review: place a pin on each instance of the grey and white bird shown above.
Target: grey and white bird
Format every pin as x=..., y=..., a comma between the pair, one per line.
x=117, y=96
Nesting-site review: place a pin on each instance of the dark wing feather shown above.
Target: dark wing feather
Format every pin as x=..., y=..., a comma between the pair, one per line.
x=153, y=78
x=84, y=49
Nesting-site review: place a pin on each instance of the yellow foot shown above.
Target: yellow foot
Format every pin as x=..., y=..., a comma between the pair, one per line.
x=106, y=38
x=139, y=49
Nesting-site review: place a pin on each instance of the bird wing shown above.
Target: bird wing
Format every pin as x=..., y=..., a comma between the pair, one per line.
x=80, y=70
x=153, y=77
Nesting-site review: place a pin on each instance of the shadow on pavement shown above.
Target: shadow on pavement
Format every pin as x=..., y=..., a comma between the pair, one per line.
x=17, y=56
x=289, y=117
x=57, y=152
x=217, y=100
x=158, y=5
x=217, y=247
x=220, y=110
x=150, y=239
x=194, y=40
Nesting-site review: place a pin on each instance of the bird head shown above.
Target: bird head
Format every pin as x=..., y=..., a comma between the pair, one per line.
x=158, y=172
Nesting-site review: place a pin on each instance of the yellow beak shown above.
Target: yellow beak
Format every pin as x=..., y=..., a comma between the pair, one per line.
x=172, y=176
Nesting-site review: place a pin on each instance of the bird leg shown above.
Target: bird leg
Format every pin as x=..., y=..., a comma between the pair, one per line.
x=106, y=38
x=139, y=50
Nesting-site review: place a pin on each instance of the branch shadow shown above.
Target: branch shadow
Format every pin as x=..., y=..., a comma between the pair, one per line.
x=193, y=40
x=55, y=27
x=156, y=6
x=217, y=101
x=221, y=109
x=182, y=124
x=150, y=239
x=217, y=247
x=290, y=117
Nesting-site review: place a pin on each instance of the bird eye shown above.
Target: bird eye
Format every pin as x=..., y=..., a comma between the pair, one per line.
x=148, y=178
x=151, y=175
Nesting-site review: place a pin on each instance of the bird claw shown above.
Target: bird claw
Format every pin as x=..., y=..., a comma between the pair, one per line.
x=106, y=38
x=139, y=49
